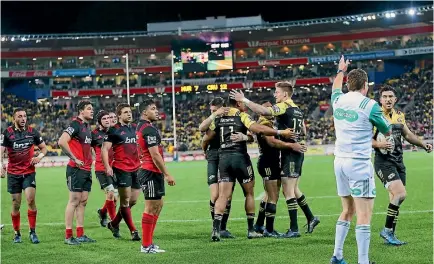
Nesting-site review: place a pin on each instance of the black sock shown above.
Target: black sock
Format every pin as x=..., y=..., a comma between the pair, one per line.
x=250, y=220
x=32, y=230
x=226, y=215
x=261, y=214
x=392, y=211
x=305, y=207
x=270, y=213
x=217, y=222
x=292, y=211
x=395, y=221
x=211, y=209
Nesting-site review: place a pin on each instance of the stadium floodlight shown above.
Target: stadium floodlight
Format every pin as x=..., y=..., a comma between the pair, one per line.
x=387, y=15
x=374, y=17
x=3, y=38
x=369, y=17
x=392, y=14
x=365, y=18
x=359, y=19
x=411, y=12
x=12, y=39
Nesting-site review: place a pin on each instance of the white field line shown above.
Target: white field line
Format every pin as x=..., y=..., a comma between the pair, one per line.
x=230, y=218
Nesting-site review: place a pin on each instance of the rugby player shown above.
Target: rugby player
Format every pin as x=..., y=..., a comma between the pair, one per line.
x=234, y=162
x=122, y=138
x=354, y=115
x=75, y=143
x=389, y=166
x=152, y=173
x=212, y=157
x=108, y=184
x=288, y=115
x=269, y=168
x=19, y=141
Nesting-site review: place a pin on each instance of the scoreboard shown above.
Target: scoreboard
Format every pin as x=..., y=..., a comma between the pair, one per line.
x=200, y=88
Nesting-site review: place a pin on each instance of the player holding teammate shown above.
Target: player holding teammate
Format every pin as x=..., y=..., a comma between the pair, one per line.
x=269, y=168
x=212, y=156
x=152, y=173
x=234, y=162
x=389, y=164
x=19, y=141
x=355, y=115
x=75, y=143
x=108, y=184
x=122, y=138
x=288, y=115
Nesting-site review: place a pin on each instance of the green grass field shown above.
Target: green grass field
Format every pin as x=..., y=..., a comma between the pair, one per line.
x=184, y=227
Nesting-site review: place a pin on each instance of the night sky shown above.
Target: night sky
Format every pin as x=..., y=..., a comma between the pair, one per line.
x=68, y=17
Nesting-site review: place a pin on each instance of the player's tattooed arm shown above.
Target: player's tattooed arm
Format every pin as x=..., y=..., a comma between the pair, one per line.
x=414, y=140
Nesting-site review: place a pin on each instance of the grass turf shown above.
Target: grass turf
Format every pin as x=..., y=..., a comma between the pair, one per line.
x=185, y=225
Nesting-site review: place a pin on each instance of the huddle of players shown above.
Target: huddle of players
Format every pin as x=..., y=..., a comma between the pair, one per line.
x=280, y=161
x=128, y=157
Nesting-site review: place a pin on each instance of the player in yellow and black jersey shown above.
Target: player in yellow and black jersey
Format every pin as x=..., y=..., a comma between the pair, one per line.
x=288, y=115
x=389, y=164
x=269, y=168
x=234, y=161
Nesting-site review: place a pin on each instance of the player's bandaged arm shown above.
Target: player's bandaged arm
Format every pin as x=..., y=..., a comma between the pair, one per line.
x=43, y=148
x=106, y=146
x=377, y=118
x=63, y=144
x=158, y=160
x=207, y=123
x=337, y=86
x=412, y=138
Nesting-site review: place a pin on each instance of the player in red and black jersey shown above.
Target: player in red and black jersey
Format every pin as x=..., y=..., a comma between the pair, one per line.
x=19, y=141
x=108, y=184
x=122, y=139
x=152, y=173
x=75, y=142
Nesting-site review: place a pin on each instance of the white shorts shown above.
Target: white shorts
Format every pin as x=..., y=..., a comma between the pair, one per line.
x=355, y=177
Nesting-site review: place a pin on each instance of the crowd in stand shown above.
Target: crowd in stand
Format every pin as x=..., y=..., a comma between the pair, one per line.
x=52, y=117
x=146, y=60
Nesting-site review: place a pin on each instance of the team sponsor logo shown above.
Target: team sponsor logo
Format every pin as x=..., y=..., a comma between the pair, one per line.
x=87, y=140
x=211, y=177
x=276, y=109
x=152, y=139
x=129, y=140
x=40, y=74
x=226, y=120
x=21, y=145
x=348, y=115
x=391, y=176
x=70, y=130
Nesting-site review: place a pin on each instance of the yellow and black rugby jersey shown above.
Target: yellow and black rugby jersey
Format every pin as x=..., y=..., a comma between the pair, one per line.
x=288, y=115
x=397, y=121
x=266, y=152
x=235, y=121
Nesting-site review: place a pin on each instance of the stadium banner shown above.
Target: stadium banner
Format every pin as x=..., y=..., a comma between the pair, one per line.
x=215, y=87
x=333, y=38
x=414, y=51
x=354, y=56
x=84, y=52
x=28, y=74
x=114, y=71
x=74, y=72
x=4, y=74
x=261, y=63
